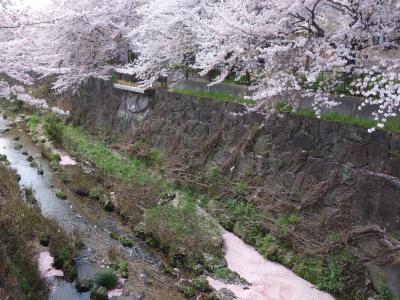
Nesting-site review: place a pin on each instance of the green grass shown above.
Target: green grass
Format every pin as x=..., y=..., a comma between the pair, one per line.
x=123, y=266
x=286, y=222
x=201, y=283
x=126, y=242
x=390, y=125
x=77, y=141
x=34, y=121
x=220, y=96
x=333, y=116
x=182, y=228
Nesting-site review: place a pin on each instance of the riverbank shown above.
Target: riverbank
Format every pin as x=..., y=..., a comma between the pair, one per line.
x=170, y=221
x=126, y=258
x=22, y=229
x=267, y=184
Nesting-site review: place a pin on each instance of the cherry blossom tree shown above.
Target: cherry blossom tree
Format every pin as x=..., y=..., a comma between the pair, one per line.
x=90, y=38
x=291, y=48
x=73, y=40
x=164, y=38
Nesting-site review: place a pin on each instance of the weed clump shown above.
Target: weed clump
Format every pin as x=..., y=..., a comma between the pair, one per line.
x=187, y=290
x=201, y=283
x=61, y=195
x=118, y=263
x=106, y=278
x=54, y=129
x=182, y=229
x=123, y=240
x=29, y=195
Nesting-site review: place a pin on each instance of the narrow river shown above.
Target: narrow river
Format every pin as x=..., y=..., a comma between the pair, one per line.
x=146, y=280
x=268, y=280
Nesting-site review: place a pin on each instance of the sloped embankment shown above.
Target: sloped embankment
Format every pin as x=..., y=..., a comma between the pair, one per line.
x=290, y=185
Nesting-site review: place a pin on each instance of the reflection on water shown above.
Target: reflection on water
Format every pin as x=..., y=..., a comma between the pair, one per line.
x=62, y=290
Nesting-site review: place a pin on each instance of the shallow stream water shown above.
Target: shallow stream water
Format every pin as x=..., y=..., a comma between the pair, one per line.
x=146, y=280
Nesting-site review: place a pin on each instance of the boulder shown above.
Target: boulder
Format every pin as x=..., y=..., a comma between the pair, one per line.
x=387, y=276
x=83, y=285
x=81, y=191
x=107, y=204
x=99, y=293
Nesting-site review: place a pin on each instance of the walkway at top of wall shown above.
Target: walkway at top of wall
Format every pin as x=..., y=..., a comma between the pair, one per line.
x=349, y=104
x=130, y=88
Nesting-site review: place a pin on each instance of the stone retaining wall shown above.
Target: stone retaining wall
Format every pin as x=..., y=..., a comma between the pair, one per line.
x=325, y=165
x=289, y=154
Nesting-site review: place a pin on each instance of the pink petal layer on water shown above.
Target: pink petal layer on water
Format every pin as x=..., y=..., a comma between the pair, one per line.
x=119, y=289
x=67, y=161
x=45, y=266
x=268, y=280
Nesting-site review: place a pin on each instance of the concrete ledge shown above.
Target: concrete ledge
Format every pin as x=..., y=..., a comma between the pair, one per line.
x=129, y=88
